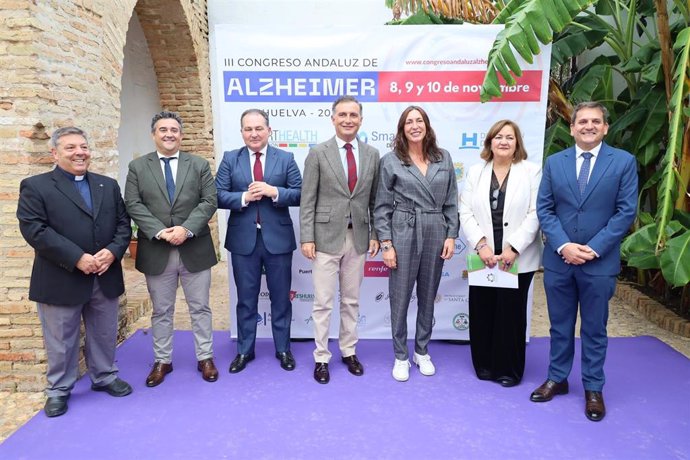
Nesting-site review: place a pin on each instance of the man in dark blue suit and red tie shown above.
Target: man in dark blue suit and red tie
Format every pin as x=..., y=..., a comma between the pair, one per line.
x=258, y=183
x=586, y=203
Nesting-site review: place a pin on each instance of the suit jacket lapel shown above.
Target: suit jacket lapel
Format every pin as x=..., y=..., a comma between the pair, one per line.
x=244, y=164
x=364, y=161
x=570, y=171
x=601, y=164
x=96, y=187
x=67, y=187
x=332, y=155
x=155, y=168
x=182, y=170
x=269, y=163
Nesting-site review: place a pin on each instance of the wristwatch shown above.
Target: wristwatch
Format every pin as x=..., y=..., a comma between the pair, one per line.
x=386, y=246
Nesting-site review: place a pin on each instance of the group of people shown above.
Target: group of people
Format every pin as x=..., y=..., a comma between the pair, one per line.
x=352, y=203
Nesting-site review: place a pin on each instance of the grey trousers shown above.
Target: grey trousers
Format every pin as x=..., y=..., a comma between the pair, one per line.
x=60, y=324
x=163, y=291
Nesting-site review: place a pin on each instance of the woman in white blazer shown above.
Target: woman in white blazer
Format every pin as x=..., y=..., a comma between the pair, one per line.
x=498, y=216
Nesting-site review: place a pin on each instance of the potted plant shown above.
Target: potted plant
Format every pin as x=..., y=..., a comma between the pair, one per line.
x=133, y=242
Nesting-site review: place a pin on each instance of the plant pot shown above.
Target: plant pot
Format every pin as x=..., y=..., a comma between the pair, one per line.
x=133, y=249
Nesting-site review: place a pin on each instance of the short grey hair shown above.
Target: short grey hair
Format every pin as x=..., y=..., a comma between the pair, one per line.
x=342, y=99
x=163, y=115
x=66, y=131
x=590, y=105
x=256, y=111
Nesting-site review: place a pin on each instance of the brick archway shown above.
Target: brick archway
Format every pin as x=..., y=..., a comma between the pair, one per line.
x=62, y=65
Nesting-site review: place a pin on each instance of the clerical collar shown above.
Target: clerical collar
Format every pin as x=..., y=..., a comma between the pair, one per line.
x=72, y=176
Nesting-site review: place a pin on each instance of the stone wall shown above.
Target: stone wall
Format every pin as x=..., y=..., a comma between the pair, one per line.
x=61, y=65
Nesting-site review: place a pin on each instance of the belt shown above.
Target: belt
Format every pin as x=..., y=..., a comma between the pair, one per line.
x=414, y=220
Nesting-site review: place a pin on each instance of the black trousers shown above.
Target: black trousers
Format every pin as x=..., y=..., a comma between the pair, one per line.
x=498, y=319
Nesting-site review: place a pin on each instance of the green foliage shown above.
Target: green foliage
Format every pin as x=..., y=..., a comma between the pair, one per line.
x=527, y=22
x=642, y=119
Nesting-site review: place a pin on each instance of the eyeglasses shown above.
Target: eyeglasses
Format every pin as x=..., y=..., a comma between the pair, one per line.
x=494, y=199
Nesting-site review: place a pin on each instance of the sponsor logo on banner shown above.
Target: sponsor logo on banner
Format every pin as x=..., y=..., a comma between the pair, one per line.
x=302, y=297
x=363, y=137
x=292, y=295
x=459, y=167
x=438, y=298
x=459, y=247
x=381, y=296
x=471, y=141
x=457, y=298
x=304, y=272
x=387, y=319
x=375, y=269
x=292, y=138
x=362, y=322
x=263, y=318
x=461, y=321
x=464, y=274
x=264, y=295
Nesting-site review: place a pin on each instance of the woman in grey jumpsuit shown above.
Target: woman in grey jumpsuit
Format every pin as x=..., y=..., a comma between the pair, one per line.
x=416, y=218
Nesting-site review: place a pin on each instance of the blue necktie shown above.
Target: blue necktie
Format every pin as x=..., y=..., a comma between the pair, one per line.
x=169, y=182
x=584, y=172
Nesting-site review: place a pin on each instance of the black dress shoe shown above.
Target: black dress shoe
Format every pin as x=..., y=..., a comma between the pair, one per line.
x=483, y=374
x=287, y=361
x=56, y=406
x=321, y=373
x=117, y=388
x=353, y=365
x=595, y=410
x=240, y=362
x=507, y=382
x=548, y=390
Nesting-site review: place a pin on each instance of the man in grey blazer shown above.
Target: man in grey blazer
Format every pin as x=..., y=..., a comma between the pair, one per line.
x=336, y=229
x=171, y=196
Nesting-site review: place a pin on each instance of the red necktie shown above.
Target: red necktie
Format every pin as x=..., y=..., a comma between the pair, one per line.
x=351, y=167
x=258, y=176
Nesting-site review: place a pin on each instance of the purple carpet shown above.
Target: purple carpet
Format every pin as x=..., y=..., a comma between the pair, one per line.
x=265, y=412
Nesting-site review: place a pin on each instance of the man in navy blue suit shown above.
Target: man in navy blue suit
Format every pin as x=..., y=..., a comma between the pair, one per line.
x=258, y=183
x=586, y=203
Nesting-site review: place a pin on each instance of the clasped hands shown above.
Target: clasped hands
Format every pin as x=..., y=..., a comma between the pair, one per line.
x=97, y=263
x=257, y=190
x=577, y=254
x=506, y=259
x=174, y=235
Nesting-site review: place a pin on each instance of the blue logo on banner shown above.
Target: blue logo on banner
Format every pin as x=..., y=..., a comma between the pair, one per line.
x=243, y=86
x=471, y=141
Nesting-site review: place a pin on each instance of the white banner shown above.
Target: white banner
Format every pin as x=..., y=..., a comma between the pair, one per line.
x=295, y=74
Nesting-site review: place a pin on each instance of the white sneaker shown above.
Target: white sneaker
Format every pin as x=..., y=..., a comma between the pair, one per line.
x=423, y=362
x=401, y=370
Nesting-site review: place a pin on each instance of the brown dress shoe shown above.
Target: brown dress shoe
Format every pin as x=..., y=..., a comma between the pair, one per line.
x=321, y=373
x=158, y=373
x=595, y=410
x=353, y=365
x=208, y=370
x=548, y=390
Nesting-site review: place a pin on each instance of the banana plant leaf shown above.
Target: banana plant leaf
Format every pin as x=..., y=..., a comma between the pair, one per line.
x=675, y=260
x=527, y=22
x=668, y=185
x=638, y=248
